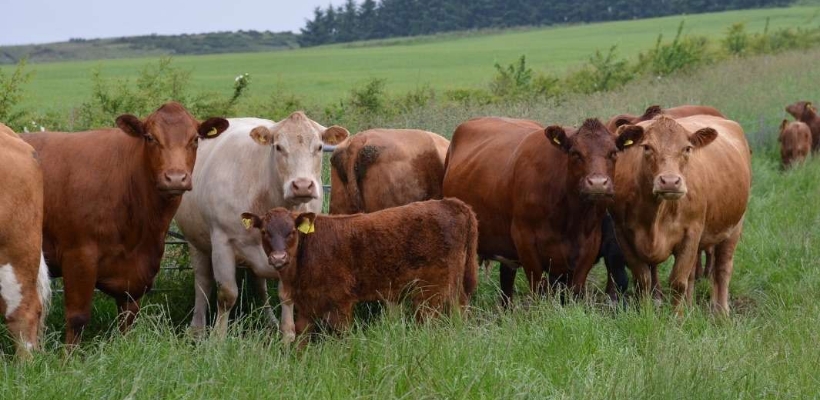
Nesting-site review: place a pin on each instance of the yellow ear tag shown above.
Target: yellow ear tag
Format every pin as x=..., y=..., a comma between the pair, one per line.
x=556, y=140
x=247, y=223
x=212, y=132
x=306, y=227
x=262, y=140
x=628, y=142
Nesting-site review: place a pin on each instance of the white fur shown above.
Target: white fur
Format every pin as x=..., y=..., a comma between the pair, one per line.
x=10, y=289
x=43, y=289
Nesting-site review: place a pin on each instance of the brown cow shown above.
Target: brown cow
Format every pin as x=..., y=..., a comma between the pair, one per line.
x=110, y=195
x=795, y=142
x=805, y=112
x=383, y=168
x=539, y=194
x=25, y=290
x=327, y=264
x=683, y=189
x=654, y=111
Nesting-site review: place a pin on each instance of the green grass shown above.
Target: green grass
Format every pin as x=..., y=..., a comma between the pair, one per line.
x=766, y=349
x=325, y=74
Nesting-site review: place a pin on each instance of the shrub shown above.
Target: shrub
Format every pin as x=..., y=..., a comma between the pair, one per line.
x=736, y=41
x=601, y=73
x=513, y=80
x=469, y=97
x=683, y=54
x=11, y=93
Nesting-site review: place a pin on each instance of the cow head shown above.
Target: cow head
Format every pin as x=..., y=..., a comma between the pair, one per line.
x=624, y=119
x=592, y=152
x=281, y=231
x=801, y=110
x=170, y=136
x=297, y=145
x=667, y=147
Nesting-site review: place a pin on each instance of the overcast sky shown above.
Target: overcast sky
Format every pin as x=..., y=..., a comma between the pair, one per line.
x=43, y=21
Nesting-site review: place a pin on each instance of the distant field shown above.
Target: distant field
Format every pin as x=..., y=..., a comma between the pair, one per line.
x=325, y=74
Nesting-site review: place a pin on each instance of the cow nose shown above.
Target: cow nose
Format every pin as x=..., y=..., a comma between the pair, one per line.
x=598, y=184
x=278, y=259
x=670, y=181
x=302, y=187
x=177, y=180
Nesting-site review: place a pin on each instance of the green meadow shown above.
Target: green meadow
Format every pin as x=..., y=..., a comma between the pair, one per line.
x=323, y=75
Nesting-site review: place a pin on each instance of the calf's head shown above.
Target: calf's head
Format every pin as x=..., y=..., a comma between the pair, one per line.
x=667, y=147
x=171, y=135
x=801, y=110
x=592, y=152
x=296, y=143
x=281, y=231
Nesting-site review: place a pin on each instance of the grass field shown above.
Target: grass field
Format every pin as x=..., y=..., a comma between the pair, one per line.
x=325, y=74
x=766, y=349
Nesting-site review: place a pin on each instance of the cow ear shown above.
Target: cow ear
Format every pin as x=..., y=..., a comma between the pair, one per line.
x=250, y=220
x=262, y=135
x=334, y=135
x=783, y=124
x=703, y=137
x=628, y=135
x=305, y=222
x=651, y=112
x=131, y=125
x=212, y=127
x=621, y=122
x=557, y=137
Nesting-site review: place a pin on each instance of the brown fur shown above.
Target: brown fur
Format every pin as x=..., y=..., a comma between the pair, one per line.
x=424, y=250
x=795, y=142
x=382, y=168
x=655, y=110
x=530, y=194
x=108, y=205
x=805, y=112
x=21, y=221
x=683, y=190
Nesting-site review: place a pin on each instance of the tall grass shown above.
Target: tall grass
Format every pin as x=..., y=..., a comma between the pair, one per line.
x=767, y=348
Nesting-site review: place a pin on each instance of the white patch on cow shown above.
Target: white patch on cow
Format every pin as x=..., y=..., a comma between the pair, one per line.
x=10, y=289
x=43, y=289
x=28, y=346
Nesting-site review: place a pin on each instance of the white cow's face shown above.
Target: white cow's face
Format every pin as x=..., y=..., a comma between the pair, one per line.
x=297, y=146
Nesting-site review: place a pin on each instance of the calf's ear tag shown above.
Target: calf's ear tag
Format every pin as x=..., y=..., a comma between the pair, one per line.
x=628, y=142
x=306, y=227
x=212, y=132
x=556, y=140
x=246, y=222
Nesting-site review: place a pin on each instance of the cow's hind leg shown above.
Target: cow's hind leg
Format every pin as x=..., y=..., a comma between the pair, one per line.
x=23, y=323
x=203, y=286
x=506, y=275
x=682, y=275
x=260, y=286
x=224, y=265
x=722, y=272
x=79, y=279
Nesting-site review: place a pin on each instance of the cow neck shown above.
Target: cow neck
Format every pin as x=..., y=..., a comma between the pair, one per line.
x=651, y=208
x=582, y=214
x=272, y=187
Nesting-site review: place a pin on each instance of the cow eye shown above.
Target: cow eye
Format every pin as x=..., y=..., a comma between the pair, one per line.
x=576, y=155
x=278, y=148
x=150, y=139
x=687, y=150
x=319, y=148
x=647, y=151
x=613, y=155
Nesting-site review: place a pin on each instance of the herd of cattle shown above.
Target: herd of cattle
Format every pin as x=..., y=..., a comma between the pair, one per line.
x=420, y=212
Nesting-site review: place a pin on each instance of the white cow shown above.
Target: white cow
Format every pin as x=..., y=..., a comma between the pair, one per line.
x=255, y=165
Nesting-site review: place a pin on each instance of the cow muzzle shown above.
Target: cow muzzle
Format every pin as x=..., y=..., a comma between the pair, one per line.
x=175, y=182
x=669, y=187
x=301, y=190
x=278, y=259
x=597, y=186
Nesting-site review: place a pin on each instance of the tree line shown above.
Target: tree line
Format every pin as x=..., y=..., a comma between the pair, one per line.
x=394, y=18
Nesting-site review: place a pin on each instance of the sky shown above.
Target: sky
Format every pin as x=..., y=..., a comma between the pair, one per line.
x=45, y=21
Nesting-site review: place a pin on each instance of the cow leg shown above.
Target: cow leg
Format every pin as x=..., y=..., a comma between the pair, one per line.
x=79, y=279
x=710, y=261
x=617, y=281
x=287, y=326
x=698, y=267
x=128, y=307
x=258, y=261
x=24, y=323
x=260, y=286
x=341, y=318
x=224, y=265
x=203, y=286
x=722, y=272
x=506, y=276
x=685, y=255
x=584, y=264
x=657, y=293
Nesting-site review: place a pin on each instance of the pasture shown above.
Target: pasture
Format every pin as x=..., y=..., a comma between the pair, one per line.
x=767, y=348
x=322, y=75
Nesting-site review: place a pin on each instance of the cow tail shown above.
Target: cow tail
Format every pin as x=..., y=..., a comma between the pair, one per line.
x=470, y=281
x=43, y=292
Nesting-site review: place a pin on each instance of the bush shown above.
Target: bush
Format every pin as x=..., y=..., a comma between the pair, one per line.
x=683, y=54
x=11, y=93
x=469, y=97
x=736, y=41
x=602, y=73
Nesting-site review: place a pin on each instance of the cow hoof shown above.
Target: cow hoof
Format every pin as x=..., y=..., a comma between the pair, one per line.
x=288, y=337
x=197, y=332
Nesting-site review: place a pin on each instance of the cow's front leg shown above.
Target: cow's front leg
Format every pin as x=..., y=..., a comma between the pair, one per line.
x=128, y=307
x=686, y=254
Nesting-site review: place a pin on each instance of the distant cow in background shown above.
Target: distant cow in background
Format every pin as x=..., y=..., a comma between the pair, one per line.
x=110, y=195
x=25, y=290
x=383, y=168
x=424, y=251
x=795, y=142
x=805, y=112
x=654, y=111
x=254, y=166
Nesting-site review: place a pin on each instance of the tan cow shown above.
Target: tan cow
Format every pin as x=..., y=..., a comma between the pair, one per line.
x=795, y=142
x=383, y=168
x=257, y=164
x=25, y=290
x=684, y=188
x=805, y=112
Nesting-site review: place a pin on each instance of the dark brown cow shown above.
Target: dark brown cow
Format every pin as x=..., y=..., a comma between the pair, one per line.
x=327, y=264
x=25, y=290
x=539, y=194
x=795, y=142
x=110, y=195
x=805, y=112
x=383, y=168
x=653, y=111
x=684, y=188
